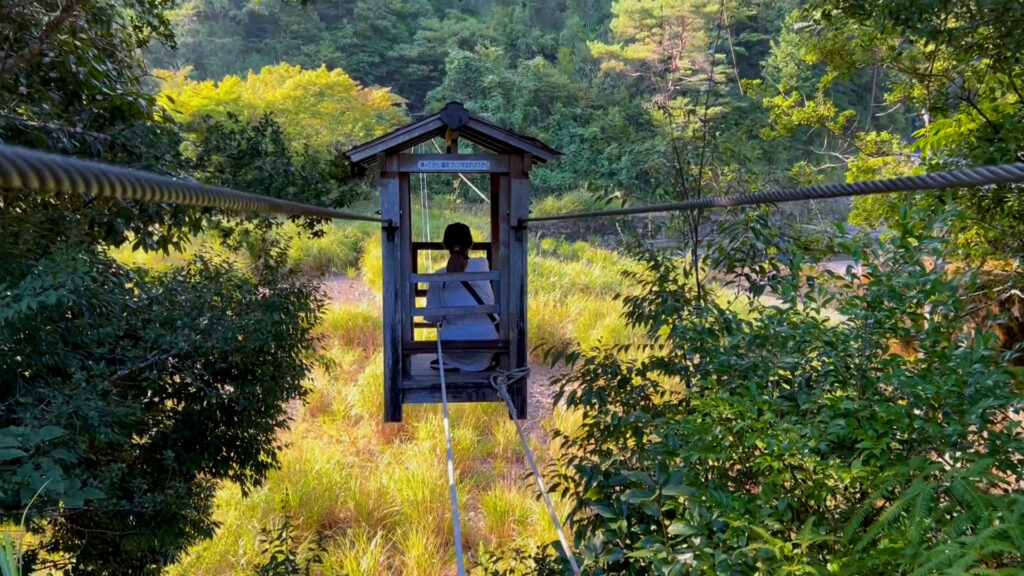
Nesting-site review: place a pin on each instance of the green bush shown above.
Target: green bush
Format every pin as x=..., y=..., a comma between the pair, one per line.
x=863, y=427
x=126, y=395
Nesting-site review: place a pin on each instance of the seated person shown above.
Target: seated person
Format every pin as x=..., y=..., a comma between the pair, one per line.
x=458, y=241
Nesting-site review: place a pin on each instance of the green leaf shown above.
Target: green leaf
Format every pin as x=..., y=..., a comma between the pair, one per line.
x=634, y=496
x=47, y=433
x=682, y=529
x=11, y=454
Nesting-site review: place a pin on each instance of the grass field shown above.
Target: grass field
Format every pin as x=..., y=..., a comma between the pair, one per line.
x=376, y=495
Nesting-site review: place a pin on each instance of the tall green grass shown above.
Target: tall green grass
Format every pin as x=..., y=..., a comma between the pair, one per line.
x=377, y=494
x=336, y=251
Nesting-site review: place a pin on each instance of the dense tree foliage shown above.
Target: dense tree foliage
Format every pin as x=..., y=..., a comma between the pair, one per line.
x=318, y=108
x=854, y=425
x=126, y=395
x=945, y=92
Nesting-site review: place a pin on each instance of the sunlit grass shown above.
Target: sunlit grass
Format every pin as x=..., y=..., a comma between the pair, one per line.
x=378, y=494
x=334, y=252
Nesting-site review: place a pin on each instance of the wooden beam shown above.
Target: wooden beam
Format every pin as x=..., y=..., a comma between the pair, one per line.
x=430, y=347
x=453, y=163
x=479, y=393
x=503, y=297
x=508, y=139
x=405, y=263
x=405, y=137
x=519, y=210
x=454, y=311
x=454, y=277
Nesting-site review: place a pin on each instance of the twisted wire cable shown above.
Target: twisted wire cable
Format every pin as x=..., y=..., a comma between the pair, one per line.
x=48, y=173
x=982, y=176
x=501, y=381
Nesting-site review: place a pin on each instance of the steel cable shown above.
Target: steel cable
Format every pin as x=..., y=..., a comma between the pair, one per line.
x=981, y=176
x=500, y=382
x=48, y=173
x=460, y=563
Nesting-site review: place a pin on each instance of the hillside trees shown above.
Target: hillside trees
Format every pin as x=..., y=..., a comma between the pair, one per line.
x=401, y=44
x=317, y=108
x=125, y=394
x=949, y=67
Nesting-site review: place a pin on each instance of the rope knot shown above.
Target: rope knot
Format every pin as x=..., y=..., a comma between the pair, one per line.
x=500, y=381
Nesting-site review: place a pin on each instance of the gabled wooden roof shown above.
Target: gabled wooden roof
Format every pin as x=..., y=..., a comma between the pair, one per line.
x=457, y=118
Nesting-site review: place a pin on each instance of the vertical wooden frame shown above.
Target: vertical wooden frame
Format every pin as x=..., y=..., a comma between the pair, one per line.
x=519, y=210
x=393, y=305
x=504, y=296
x=405, y=264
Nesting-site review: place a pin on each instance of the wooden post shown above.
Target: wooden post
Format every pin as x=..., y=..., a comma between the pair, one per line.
x=405, y=263
x=519, y=209
x=390, y=209
x=504, y=296
x=495, y=182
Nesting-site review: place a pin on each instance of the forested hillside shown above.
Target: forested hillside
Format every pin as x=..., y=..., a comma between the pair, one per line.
x=192, y=390
x=538, y=67
x=792, y=93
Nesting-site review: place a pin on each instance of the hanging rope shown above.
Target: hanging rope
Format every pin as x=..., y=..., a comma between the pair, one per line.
x=425, y=216
x=49, y=173
x=982, y=176
x=459, y=561
x=500, y=382
x=464, y=179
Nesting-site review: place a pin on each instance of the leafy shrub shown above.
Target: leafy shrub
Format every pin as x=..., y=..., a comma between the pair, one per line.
x=786, y=438
x=125, y=395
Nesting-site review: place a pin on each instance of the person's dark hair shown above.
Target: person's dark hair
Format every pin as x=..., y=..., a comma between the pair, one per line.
x=458, y=240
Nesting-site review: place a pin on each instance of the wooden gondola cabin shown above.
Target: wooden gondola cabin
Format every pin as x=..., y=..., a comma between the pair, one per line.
x=508, y=158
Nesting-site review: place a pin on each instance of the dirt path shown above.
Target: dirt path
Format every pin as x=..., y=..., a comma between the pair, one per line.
x=349, y=291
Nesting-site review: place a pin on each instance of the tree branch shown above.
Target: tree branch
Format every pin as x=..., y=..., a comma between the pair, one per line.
x=153, y=359
x=13, y=61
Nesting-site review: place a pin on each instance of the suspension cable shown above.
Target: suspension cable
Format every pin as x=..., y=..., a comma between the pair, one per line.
x=48, y=173
x=456, y=523
x=500, y=382
x=981, y=176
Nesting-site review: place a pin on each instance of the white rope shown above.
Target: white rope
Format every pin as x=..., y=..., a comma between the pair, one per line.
x=460, y=563
x=500, y=381
x=425, y=216
x=464, y=179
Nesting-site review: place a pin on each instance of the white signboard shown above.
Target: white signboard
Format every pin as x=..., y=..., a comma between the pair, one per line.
x=453, y=165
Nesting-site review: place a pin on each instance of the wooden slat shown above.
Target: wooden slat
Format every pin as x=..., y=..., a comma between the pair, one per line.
x=456, y=379
x=493, y=134
x=454, y=277
x=483, y=393
x=453, y=311
x=406, y=137
x=453, y=163
x=460, y=345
